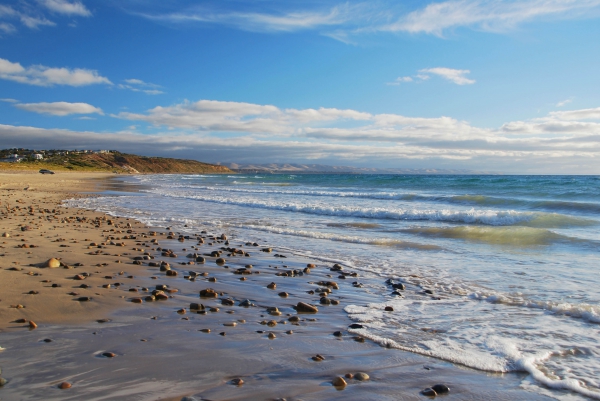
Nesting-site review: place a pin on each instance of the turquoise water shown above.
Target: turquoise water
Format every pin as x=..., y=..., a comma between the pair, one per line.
x=512, y=261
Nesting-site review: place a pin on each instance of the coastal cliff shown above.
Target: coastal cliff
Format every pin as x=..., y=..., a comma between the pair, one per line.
x=116, y=162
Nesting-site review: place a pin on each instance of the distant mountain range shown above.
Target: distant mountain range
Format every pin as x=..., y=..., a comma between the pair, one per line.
x=325, y=169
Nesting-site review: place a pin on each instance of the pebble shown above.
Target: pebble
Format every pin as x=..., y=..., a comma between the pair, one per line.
x=429, y=392
x=53, y=263
x=318, y=358
x=307, y=308
x=230, y=324
x=64, y=385
x=339, y=382
x=337, y=333
x=32, y=325
x=283, y=294
x=389, y=309
x=181, y=311
x=237, y=382
x=136, y=300
x=361, y=376
x=272, y=286
x=208, y=293
x=272, y=336
x=3, y=382
x=109, y=354
x=220, y=261
x=349, y=376
x=441, y=388
x=84, y=299
x=205, y=330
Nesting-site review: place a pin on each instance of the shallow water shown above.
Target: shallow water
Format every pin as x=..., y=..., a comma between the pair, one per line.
x=512, y=261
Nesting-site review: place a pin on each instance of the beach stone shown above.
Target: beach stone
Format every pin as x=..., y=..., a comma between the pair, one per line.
x=200, y=259
x=306, y=308
x=336, y=268
x=349, y=376
x=227, y=302
x=283, y=294
x=196, y=306
x=429, y=392
x=339, y=382
x=237, y=382
x=181, y=311
x=272, y=286
x=109, y=354
x=337, y=333
x=274, y=311
x=205, y=330
x=361, y=376
x=84, y=299
x=171, y=273
x=208, y=293
x=53, y=263
x=64, y=385
x=230, y=324
x=32, y=325
x=318, y=358
x=325, y=301
x=6, y=235
x=3, y=382
x=441, y=388
x=389, y=309
x=220, y=261
x=272, y=336
x=356, y=326
x=246, y=303
x=294, y=319
x=271, y=323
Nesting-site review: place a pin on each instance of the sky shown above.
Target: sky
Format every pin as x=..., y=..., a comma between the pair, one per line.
x=481, y=85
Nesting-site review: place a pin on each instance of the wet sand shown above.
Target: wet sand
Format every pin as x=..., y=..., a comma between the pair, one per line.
x=161, y=353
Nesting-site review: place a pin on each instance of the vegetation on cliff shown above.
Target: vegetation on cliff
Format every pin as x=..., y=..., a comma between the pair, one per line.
x=109, y=161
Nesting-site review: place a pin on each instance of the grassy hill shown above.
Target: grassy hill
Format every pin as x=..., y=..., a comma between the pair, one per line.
x=116, y=162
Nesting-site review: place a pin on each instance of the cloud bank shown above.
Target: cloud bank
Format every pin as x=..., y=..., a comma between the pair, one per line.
x=563, y=142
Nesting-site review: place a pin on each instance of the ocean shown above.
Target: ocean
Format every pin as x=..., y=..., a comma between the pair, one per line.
x=502, y=273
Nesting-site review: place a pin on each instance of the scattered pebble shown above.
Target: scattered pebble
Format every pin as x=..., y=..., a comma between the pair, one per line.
x=339, y=382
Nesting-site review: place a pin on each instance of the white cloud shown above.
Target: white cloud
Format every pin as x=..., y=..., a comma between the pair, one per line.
x=67, y=7
x=453, y=75
x=8, y=100
x=572, y=115
x=60, y=108
x=35, y=22
x=400, y=80
x=46, y=76
x=259, y=21
x=7, y=28
x=488, y=15
x=137, y=85
x=564, y=102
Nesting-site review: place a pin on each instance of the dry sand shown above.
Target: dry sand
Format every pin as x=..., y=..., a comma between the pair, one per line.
x=162, y=354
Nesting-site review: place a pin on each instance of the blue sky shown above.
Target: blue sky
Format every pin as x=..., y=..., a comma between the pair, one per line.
x=504, y=86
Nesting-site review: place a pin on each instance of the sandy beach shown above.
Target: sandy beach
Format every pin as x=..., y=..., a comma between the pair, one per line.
x=120, y=316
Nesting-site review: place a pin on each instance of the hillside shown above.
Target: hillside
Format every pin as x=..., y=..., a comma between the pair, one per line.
x=116, y=162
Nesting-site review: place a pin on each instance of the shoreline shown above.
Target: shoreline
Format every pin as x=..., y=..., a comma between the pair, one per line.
x=205, y=363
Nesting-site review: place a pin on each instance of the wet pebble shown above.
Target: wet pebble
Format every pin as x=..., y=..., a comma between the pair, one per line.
x=361, y=376
x=339, y=382
x=64, y=385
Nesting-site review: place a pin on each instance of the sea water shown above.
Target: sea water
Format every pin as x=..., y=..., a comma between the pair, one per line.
x=511, y=263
